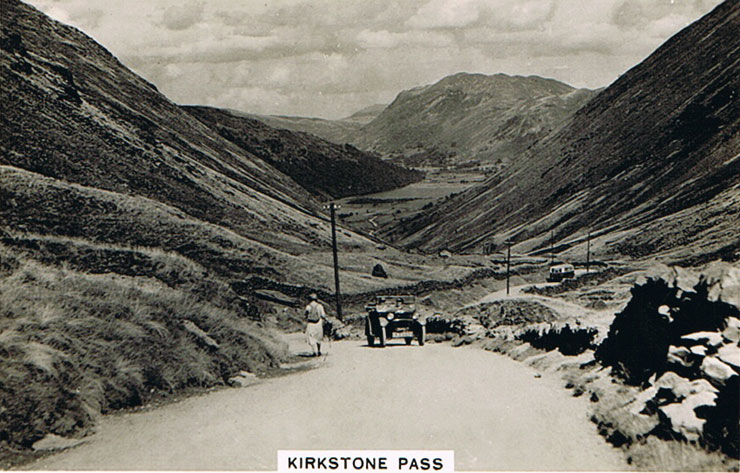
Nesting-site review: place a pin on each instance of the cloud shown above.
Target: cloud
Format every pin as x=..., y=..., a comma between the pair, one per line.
x=181, y=17
x=499, y=15
x=446, y=14
x=388, y=40
x=329, y=58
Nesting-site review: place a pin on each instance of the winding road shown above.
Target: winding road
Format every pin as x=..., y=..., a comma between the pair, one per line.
x=495, y=413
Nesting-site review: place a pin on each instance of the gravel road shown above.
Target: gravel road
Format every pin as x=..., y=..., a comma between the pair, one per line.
x=492, y=411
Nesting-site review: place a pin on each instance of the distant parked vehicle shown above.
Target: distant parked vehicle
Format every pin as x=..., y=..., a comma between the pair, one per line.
x=560, y=272
x=394, y=317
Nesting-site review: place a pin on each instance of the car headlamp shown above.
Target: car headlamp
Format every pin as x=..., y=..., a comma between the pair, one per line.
x=390, y=315
x=415, y=316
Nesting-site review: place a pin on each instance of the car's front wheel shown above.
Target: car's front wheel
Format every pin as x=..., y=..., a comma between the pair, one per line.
x=370, y=341
x=382, y=337
x=408, y=340
x=422, y=335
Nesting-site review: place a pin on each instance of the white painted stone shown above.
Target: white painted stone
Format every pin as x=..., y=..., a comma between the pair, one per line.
x=712, y=339
x=730, y=354
x=55, y=442
x=699, y=350
x=681, y=387
x=716, y=371
x=679, y=356
x=732, y=332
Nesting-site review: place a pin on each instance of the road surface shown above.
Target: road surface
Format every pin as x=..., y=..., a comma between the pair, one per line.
x=492, y=411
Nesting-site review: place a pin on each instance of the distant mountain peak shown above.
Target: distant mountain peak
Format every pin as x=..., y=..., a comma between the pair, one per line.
x=470, y=118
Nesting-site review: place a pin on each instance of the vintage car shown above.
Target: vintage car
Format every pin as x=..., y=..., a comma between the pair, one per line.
x=394, y=317
x=560, y=272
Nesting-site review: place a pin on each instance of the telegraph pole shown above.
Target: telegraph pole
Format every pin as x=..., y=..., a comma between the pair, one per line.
x=552, y=248
x=333, y=208
x=508, y=263
x=588, y=252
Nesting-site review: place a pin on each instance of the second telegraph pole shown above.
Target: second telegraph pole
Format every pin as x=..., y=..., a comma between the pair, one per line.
x=508, y=264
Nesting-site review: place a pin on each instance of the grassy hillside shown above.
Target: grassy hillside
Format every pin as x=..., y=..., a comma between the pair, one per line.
x=325, y=169
x=75, y=345
x=336, y=131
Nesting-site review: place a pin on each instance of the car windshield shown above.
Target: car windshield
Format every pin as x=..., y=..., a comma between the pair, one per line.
x=396, y=299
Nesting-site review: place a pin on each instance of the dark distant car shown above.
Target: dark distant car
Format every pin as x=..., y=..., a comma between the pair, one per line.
x=394, y=317
x=560, y=272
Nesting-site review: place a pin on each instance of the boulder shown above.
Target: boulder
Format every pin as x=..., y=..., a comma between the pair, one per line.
x=243, y=379
x=699, y=350
x=379, y=271
x=682, y=417
x=55, y=442
x=671, y=388
x=732, y=332
x=702, y=385
x=716, y=371
x=678, y=386
x=642, y=399
x=700, y=399
x=199, y=334
x=680, y=356
x=730, y=355
x=676, y=277
x=711, y=339
x=694, y=395
x=722, y=281
x=275, y=296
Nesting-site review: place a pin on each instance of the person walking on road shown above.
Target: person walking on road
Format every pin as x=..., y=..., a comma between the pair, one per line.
x=315, y=316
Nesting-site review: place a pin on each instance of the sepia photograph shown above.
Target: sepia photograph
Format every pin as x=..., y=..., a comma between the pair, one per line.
x=419, y=236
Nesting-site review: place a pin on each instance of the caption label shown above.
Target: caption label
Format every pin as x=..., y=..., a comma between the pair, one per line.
x=386, y=461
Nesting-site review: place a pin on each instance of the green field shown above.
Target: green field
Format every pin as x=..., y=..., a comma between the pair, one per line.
x=372, y=213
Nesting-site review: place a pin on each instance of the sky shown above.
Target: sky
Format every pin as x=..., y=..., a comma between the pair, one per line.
x=331, y=58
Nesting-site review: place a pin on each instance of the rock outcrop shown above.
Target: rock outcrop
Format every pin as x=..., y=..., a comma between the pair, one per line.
x=677, y=338
x=379, y=271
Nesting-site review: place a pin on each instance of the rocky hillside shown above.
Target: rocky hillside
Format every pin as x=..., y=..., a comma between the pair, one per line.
x=325, y=169
x=470, y=118
x=651, y=165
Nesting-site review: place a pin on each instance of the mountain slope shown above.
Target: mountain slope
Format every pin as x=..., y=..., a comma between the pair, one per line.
x=325, y=169
x=366, y=115
x=663, y=139
x=470, y=117
x=73, y=113
x=336, y=131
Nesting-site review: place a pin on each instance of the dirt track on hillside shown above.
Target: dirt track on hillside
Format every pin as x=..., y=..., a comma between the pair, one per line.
x=492, y=411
